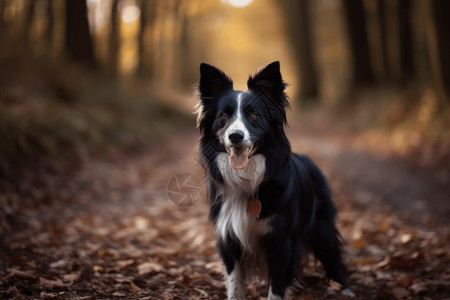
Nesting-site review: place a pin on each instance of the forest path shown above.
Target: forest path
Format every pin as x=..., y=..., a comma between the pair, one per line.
x=112, y=232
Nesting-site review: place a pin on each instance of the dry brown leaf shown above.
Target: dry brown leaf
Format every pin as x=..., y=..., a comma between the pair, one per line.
x=124, y=263
x=406, y=262
x=405, y=280
x=98, y=269
x=149, y=267
x=400, y=292
x=50, y=283
x=382, y=263
x=46, y=295
x=202, y=293
x=365, y=260
x=418, y=287
x=11, y=272
x=406, y=238
x=59, y=264
x=134, y=287
x=71, y=278
x=383, y=275
x=359, y=243
x=197, y=277
x=334, y=285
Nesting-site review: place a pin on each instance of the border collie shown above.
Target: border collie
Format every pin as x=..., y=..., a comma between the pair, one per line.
x=268, y=205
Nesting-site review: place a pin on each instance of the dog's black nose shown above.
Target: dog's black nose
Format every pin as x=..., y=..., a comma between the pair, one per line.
x=236, y=137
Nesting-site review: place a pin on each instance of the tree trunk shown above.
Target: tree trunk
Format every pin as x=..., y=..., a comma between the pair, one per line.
x=29, y=17
x=141, y=39
x=2, y=15
x=382, y=25
x=185, y=56
x=49, y=30
x=114, y=37
x=439, y=45
x=405, y=41
x=78, y=41
x=309, y=90
x=393, y=51
x=298, y=15
x=355, y=17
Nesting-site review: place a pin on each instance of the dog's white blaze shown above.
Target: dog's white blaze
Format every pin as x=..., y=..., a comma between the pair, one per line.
x=238, y=124
x=240, y=186
x=235, y=283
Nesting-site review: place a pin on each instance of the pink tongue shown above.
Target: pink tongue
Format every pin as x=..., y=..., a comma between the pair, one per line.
x=239, y=161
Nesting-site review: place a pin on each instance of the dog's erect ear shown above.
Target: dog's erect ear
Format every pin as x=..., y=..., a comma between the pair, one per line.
x=213, y=82
x=268, y=80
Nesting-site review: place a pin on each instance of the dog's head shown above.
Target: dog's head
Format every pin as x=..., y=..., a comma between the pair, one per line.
x=241, y=120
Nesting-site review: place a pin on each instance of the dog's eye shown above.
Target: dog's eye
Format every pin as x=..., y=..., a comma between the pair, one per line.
x=253, y=116
x=224, y=116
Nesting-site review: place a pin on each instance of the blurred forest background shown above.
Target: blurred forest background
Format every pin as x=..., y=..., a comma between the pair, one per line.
x=89, y=74
x=96, y=116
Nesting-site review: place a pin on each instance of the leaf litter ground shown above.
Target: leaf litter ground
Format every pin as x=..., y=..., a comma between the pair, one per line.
x=110, y=231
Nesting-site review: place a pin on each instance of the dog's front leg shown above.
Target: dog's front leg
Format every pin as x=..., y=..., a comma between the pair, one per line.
x=235, y=283
x=282, y=258
x=231, y=255
x=280, y=270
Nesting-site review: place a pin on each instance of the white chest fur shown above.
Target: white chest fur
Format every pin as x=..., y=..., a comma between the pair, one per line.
x=239, y=186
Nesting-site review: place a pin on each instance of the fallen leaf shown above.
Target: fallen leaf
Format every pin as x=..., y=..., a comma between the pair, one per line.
x=359, y=243
x=334, y=285
x=59, y=264
x=134, y=287
x=405, y=238
x=399, y=292
x=45, y=295
x=50, y=283
x=418, y=288
x=71, y=278
x=406, y=262
x=365, y=260
x=383, y=275
x=98, y=269
x=149, y=267
x=382, y=263
x=124, y=263
x=15, y=272
x=202, y=293
x=405, y=280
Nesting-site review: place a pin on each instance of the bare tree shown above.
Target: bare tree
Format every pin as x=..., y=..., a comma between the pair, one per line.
x=141, y=39
x=405, y=41
x=114, y=37
x=391, y=40
x=298, y=15
x=29, y=18
x=355, y=17
x=78, y=42
x=49, y=30
x=439, y=45
x=2, y=14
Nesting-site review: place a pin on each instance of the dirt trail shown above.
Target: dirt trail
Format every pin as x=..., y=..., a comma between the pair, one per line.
x=419, y=194
x=112, y=233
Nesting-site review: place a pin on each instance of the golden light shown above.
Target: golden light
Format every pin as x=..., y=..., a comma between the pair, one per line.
x=130, y=13
x=238, y=3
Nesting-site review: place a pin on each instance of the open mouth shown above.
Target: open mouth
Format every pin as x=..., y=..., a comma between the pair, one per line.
x=239, y=156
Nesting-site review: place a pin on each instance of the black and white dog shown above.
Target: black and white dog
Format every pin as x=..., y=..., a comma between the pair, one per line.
x=268, y=205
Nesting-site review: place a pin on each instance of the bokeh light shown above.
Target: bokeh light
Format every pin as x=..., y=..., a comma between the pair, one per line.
x=238, y=3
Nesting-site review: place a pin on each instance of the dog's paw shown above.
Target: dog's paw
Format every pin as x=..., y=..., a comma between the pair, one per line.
x=348, y=292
